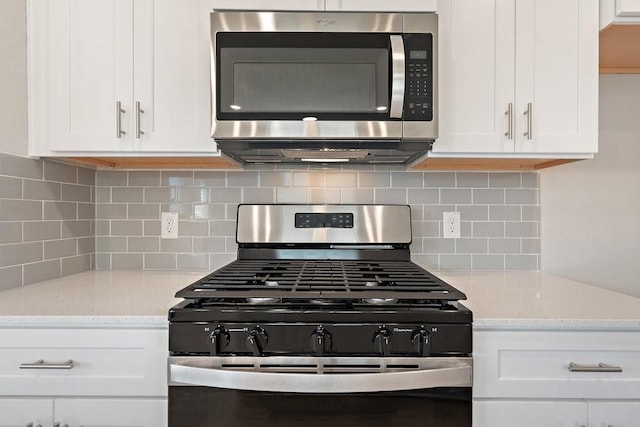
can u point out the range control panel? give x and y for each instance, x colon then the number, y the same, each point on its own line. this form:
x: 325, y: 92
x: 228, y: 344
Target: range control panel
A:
x: 324, y: 220
x: 418, y: 104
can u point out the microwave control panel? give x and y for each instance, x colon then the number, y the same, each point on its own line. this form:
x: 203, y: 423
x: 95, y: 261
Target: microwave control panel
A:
x: 418, y: 99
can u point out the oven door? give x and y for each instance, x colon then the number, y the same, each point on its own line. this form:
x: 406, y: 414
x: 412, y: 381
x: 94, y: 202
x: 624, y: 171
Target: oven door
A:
x: 311, y: 391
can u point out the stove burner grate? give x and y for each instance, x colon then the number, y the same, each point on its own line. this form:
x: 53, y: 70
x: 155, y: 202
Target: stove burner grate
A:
x: 379, y: 281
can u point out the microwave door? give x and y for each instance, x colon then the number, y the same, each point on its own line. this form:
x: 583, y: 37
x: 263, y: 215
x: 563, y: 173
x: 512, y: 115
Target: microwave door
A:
x: 309, y: 85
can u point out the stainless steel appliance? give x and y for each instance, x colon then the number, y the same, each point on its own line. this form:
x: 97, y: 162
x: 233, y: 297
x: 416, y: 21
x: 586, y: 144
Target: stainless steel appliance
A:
x: 322, y: 320
x: 291, y: 87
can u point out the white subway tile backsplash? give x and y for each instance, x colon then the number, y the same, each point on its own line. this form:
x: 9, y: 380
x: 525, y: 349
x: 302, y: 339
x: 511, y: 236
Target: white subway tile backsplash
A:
x: 41, y: 190
x: 82, y: 218
x: 357, y: 195
x: 406, y: 179
x: 275, y: 179
x: 173, y: 178
x: 341, y: 179
x: 144, y: 178
x: 505, y: 180
x: 54, y: 171
x: 56, y: 249
x: 20, y: 210
x: 127, y: 195
x: 472, y: 180
x: 455, y: 196
x: 390, y: 196
x: 75, y: 193
x: 291, y: 195
x: 11, y: 232
x: 10, y: 188
x: 487, y: 262
x: 374, y: 179
x: 39, y: 271
x: 40, y: 230
x: 160, y: 261
x: 439, y: 179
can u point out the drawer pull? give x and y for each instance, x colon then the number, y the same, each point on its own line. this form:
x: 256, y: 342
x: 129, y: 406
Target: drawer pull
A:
x: 600, y: 367
x: 41, y: 364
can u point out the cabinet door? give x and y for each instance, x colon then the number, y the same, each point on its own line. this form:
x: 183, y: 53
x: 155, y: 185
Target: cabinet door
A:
x: 382, y: 5
x: 529, y: 414
x: 627, y: 7
x: 614, y: 414
x: 269, y: 4
x: 557, y: 73
x: 111, y: 412
x: 21, y: 412
x: 476, y: 75
x: 171, y: 78
x: 90, y: 61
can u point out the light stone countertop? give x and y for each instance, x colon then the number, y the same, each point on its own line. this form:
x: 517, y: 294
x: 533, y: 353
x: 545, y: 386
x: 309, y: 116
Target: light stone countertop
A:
x: 514, y: 300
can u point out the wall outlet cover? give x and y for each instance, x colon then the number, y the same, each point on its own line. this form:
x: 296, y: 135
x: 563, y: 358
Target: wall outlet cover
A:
x: 169, y: 225
x: 451, y: 225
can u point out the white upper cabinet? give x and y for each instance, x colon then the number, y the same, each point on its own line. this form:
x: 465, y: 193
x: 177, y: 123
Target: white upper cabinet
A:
x: 619, y: 12
x: 330, y: 5
x: 518, y: 76
x: 268, y: 5
x: 149, y: 57
x: 382, y: 5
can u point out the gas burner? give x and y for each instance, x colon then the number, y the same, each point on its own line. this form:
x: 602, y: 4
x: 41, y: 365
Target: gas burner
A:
x: 265, y: 300
x: 379, y: 301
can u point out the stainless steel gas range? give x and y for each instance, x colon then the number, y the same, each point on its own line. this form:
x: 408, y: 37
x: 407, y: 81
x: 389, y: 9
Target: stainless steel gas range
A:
x: 322, y: 319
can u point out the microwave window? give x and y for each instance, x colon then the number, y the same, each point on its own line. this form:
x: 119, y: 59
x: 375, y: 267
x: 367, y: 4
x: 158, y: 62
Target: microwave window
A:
x: 304, y: 80
x: 299, y: 87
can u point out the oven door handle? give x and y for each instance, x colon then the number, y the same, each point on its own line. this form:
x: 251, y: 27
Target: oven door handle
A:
x: 184, y: 373
x: 397, y: 76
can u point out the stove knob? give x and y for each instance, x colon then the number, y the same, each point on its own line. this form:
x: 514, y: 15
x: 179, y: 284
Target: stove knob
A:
x: 421, y: 341
x: 320, y: 341
x: 382, y: 339
x: 257, y: 340
x: 219, y: 340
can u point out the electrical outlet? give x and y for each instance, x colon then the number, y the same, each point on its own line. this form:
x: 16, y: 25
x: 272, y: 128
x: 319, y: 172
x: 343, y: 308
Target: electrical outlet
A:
x: 451, y: 225
x: 169, y: 225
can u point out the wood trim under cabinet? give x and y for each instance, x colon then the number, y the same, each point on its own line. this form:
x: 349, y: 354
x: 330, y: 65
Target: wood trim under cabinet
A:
x: 620, y: 49
x: 439, y: 163
x: 156, y: 162
x: 487, y: 164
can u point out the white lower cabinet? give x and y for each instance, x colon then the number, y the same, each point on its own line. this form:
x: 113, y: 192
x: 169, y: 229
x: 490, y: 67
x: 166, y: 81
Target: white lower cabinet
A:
x: 84, y: 376
x: 573, y: 378
x: 529, y: 414
x: 111, y: 413
x: 83, y: 412
x: 614, y: 414
x: 25, y: 412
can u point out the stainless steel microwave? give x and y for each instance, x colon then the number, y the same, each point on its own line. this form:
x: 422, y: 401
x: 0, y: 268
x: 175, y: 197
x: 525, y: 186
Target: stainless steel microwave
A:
x: 304, y: 86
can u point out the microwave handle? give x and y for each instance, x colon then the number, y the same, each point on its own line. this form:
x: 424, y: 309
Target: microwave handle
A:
x: 397, y: 76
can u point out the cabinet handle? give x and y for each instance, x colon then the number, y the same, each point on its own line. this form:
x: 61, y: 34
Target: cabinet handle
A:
x: 529, y: 114
x: 509, y: 114
x: 119, y: 112
x: 600, y: 367
x: 138, y: 112
x: 41, y: 364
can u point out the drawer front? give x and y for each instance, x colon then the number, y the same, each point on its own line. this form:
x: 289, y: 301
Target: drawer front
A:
x: 536, y: 364
x: 105, y: 362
